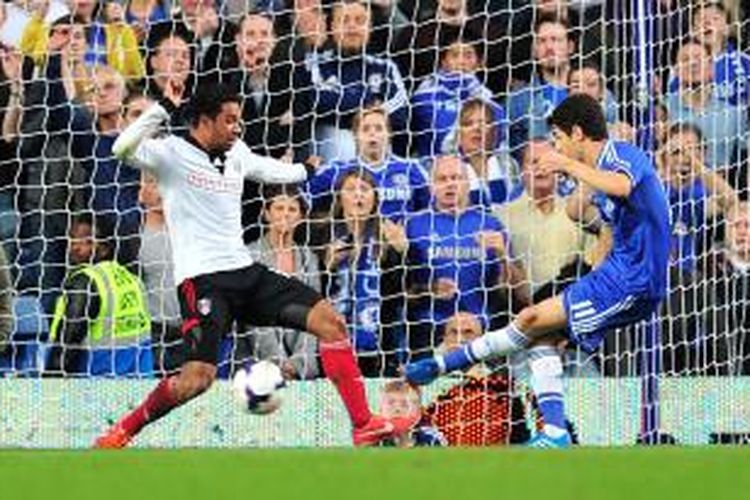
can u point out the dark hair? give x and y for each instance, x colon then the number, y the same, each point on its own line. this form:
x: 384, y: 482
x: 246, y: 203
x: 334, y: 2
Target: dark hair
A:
x: 710, y: 4
x: 271, y: 191
x: 580, y: 110
x: 686, y: 128
x: 467, y: 36
x: 551, y: 18
x: 208, y: 100
x: 688, y: 41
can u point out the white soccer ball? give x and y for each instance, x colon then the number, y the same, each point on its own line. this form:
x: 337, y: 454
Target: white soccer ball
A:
x: 256, y: 387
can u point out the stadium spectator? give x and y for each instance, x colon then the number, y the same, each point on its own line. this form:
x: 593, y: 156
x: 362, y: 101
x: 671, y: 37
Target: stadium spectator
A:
x: 276, y: 120
x: 157, y: 273
x: 548, y: 243
x: 276, y: 109
x: 387, y: 22
x: 402, y: 184
x: 112, y: 42
x: 586, y: 78
x: 437, y: 101
x: 211, y: 35
x: 90, y: 129
x: 697, y: 197
x: 461, y: 328
x: 101, y: 323
x: 170, y: 69
x: 296, y: 352
x: 587, y: 23
x: 11, y: 107
x: 141, y: 14
x: 696, y: 194
x: 696, y: 101
x: 49, y: 179
x: 731, y: 289
x: 458, y: 259
x: 731, y: 66
x: 494, y: 177
x: 6, y: 302
x: 401, y: 399
x: 416, y: 48
x: 530, y: 106
x: 348, y: 79
x: 364, y: 263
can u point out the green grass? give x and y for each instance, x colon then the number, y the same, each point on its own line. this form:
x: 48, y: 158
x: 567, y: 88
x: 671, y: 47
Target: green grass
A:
x: 385, y: 474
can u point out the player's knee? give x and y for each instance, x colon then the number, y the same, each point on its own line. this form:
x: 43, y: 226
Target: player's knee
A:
x: 326, y: 323
x: 527, y: 318
x: 192, y: 383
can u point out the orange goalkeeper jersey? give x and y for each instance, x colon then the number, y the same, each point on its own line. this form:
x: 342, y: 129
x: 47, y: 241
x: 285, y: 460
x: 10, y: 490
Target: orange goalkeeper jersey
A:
x: 476, y: 412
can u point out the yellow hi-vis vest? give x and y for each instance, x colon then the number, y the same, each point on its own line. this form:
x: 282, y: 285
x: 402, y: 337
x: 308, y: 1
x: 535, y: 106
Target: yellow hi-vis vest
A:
x: 123, y: 314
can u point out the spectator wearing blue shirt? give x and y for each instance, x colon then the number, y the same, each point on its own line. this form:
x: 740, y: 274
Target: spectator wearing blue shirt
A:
x: 364, y: 260
x: 723, y: 125
x: 458, y: 260
x: 586, y: 78
x: 494, y: 176
x: 531, y: 105
x: 111, y: 189
x: 347, y: 79
x: 731, y: 74
x: 696, y: 196
x: 402, y: 184
x: 437, y: 101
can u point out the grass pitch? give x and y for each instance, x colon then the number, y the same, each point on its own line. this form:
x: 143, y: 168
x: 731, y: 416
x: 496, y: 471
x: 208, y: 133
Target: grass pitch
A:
x: 384, y: 474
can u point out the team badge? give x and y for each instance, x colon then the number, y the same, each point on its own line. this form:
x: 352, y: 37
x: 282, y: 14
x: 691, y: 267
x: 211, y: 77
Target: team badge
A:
x: 204, y: 306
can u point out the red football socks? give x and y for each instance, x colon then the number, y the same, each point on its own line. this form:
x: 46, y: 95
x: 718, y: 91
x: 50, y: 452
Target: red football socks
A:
x: 342, y: 369
x: 157, y: 404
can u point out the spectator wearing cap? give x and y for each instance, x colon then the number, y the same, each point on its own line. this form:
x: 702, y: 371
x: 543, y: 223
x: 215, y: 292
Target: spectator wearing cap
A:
x: 437, y: 101
x: 349, y: 79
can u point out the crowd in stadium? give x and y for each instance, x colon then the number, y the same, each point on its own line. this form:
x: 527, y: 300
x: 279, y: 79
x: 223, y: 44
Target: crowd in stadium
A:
x: 426, y: 218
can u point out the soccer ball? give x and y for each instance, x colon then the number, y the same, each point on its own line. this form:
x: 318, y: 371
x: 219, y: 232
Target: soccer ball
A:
x: 256, y: 387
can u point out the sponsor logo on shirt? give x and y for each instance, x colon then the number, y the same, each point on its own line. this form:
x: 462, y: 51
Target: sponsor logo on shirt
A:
x: 214, y: 183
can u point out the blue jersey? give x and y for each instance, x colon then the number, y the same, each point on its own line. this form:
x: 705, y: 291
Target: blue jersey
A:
x: 731, y: 74
x: 444, y: 246
x: 528, y: 110
x: 688, y: 208
x: 356, y: 295
x: 403, y: 185
x: 640, y: 223
x: 436, y: 105
x: 344, y: 84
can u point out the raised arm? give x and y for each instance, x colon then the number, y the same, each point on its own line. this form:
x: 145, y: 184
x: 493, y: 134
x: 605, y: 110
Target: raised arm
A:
x: 612, y: 183
x: 266, y: 169
x: 133, y: 147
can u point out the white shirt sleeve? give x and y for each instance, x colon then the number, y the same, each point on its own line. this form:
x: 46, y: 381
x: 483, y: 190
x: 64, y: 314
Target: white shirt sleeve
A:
x: 263, y: 168
x: 136, y: 145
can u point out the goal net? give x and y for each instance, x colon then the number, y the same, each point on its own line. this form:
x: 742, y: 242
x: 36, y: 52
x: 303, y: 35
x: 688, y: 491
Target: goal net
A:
x: 427, y: 223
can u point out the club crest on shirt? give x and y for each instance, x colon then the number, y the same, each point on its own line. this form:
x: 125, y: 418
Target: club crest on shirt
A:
x: 204, y: 306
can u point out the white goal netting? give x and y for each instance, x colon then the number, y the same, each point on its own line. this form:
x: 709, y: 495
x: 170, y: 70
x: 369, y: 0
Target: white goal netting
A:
x: 426, y: 223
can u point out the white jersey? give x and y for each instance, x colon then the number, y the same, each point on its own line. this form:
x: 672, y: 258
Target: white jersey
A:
x: 202, y: 198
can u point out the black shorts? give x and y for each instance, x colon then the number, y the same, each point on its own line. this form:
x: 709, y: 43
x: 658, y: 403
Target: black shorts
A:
x: 254, y: 295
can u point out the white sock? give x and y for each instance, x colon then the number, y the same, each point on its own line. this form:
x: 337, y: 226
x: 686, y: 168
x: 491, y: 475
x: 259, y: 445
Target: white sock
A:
x: 499, y: 343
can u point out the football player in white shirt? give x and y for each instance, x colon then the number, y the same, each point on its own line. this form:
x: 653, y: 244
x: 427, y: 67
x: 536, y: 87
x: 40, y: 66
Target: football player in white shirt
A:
x: 200, y: 178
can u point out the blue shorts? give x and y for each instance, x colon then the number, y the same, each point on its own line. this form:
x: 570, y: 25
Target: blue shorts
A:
x: 594, y: 305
